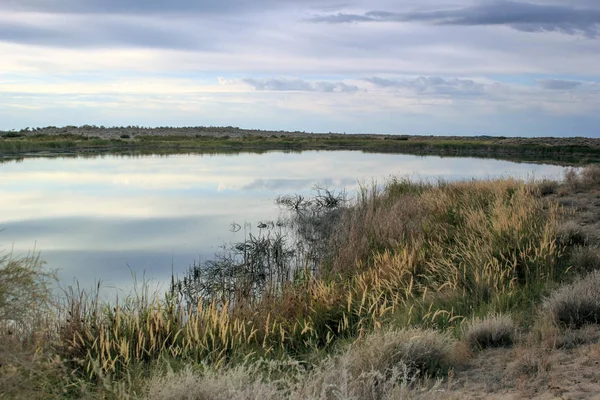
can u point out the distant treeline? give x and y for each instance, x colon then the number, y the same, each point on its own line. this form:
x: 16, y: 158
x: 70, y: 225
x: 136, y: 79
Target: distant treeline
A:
x: 91, y: 139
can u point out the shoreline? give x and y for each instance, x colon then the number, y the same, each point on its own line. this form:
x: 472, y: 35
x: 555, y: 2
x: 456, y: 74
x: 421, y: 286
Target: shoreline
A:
x: 89, y: 140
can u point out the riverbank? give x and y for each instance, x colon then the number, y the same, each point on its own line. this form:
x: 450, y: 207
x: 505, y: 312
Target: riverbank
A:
x: 419, y: 290
x: 88, y: 140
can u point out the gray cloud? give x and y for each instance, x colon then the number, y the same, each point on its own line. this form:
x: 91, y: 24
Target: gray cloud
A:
x: 527, y: 17
x: 137, y: 7
x: 433, y: 85
x: 559, y: 84
x: 274, y: 84
x: 128, y: 6
x: 103, y: 32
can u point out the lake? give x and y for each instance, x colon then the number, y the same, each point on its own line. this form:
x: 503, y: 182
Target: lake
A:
x: 105, y: 217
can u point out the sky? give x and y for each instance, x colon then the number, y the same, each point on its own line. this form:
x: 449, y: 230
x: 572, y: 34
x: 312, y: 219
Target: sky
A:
x: 447, y: 67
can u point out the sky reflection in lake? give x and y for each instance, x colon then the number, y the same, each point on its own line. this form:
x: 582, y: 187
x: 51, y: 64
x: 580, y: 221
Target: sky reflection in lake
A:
x: 97, y: 218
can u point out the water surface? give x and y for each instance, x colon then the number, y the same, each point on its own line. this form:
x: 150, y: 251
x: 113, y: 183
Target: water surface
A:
x: 104, y: 217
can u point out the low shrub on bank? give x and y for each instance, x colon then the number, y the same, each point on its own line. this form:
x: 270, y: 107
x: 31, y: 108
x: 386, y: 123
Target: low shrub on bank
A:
x: 547, y: 187
x: 590, y: 176
x: 495, y: 330
x: 585, y: 179
x: 576, y: 304
x: 585, y: 259
x: 189, y: 384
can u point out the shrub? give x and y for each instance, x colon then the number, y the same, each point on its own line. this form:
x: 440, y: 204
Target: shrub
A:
x: 590, y: 176
x: 188, y: 384
x: 528, y: 363
x: 424, y: 352
x: 576, y: 304
x: 492, y: 331
x: 125, y: 136
x: 572, y: 179
x: 12, y: 135
x: 571, y: 234
x: 27, y: 369
x: 380, y: 366
x: 585, y: 259
x: 25, y: 289
x: 547, y: 187
x: 587, y: 178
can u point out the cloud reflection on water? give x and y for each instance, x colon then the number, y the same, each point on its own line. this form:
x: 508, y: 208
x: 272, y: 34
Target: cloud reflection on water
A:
x: 93, y: 217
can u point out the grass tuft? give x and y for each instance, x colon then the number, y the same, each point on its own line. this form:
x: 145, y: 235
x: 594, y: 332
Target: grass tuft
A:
x: 423, y: 351
x: 576, y: 304
x: 585, y: 259
x: 495, y: 330
x: 570, y: 233
x: 590, y: 176
x: 547, y: 187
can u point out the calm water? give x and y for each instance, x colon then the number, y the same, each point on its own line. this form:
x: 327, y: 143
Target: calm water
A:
x: 101, y: 218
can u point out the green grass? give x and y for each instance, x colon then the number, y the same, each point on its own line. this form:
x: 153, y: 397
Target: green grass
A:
x: 71, y: 141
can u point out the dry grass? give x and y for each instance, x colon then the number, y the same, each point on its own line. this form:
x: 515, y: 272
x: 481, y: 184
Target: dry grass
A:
x: 576, y: 304
x: 384, y: 365
x: 585, y: 259
x: 418, y: 254
x: 235, y: 384
x: 547, y: 187
x: 495, y: 330
x: 529, y: 362
x: 585, y: 179
x: 413, y: 254
x: 25, y: 290
x: 28, y: 367
x: 590, y: 176
x: 570, y: 233
x: 571, y: 179
x: 422, y: 352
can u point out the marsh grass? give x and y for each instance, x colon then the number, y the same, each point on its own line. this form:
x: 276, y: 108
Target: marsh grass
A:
x: 409, y: 254
x: 392, y: 270
x: 86, y: 139
x: 28, y: 366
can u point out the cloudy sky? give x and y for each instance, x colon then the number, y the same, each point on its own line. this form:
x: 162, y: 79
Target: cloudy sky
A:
x: 392, y: 66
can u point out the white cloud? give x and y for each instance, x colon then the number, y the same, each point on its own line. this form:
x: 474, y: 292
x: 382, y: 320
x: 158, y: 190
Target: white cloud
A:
x: 265, y: 66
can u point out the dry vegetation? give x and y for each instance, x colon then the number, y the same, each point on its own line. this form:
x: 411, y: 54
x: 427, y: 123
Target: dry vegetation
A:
x: 413, y: 290
x: 490, y: 331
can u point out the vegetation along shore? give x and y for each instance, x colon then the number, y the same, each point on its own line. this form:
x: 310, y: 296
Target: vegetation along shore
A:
x: 414, y: 290
x: 89, y: 139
